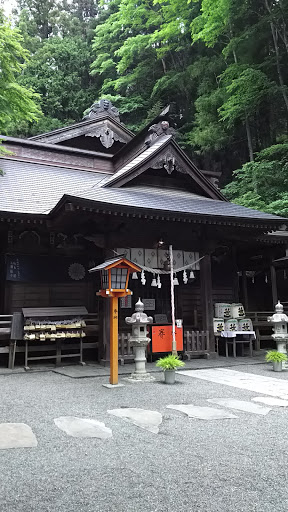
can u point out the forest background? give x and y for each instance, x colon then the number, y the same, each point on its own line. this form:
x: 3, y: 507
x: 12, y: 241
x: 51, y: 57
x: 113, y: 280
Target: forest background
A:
x: 220, y: 64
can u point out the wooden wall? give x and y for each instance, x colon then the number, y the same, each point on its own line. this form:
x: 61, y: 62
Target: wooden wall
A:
x: 19, y: 295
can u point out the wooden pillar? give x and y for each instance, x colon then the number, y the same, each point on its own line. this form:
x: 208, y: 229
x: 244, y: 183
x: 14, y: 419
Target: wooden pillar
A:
x: 235, y: 275
x: 207, y: 299
x: 104, y: 340
x: 274, y: 286
x: 113, y: 340
x: 245, y: 290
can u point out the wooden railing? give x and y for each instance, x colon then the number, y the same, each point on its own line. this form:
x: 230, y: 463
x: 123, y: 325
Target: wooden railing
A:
x: 196, y: 343
x: 125, y: 351
x: 5, y: 326
x: 261, y: 326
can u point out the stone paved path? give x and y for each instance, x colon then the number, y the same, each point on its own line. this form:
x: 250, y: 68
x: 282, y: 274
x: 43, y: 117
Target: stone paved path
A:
x: 258, y: 383
x: 20, y: 435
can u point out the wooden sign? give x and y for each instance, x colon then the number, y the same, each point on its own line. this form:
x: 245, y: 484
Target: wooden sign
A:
x: 149, y: 304
x: 162, y: 338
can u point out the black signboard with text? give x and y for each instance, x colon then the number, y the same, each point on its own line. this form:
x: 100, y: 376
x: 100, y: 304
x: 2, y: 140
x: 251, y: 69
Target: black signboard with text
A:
x: 47, y: 269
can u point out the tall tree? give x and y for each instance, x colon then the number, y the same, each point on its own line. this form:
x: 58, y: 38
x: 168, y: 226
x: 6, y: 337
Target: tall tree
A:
x: 58, y: 33
x: 17, y: 103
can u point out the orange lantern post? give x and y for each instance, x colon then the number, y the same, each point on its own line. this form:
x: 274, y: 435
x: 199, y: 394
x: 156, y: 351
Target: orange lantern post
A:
x: 114, y: 284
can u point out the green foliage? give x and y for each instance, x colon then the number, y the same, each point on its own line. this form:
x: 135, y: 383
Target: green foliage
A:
x: 220, y: 63
x: 263, y: 184
x: 273, y: 356
x: 17, y: 103
x: 59, y: 34
x: 59, y: 72
x: 170, y: 362
x: 245, y: 92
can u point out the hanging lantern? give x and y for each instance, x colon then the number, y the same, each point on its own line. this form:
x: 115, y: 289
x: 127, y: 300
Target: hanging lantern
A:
x: 175, y: 280
x: 185, y: 277
x: 153, y: 282
x: 134, y: 275
x: 159, y: 284
x: 191, y: 275
x: 114, y: 275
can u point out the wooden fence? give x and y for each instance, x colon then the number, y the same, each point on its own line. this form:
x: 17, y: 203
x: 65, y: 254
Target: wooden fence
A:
x: 124, y: 348
x: 196, y: 343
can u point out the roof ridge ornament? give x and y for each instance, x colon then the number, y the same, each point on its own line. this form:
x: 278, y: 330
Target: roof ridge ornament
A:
x: 156, y: 130
x: 99, y: 107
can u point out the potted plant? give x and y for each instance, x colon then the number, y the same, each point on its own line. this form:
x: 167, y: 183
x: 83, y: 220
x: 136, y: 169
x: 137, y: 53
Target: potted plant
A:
x: 169, y: 365
x: 277, y: 358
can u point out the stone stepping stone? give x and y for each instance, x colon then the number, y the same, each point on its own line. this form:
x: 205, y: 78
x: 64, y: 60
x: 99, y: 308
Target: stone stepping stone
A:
x: 269, y: 400
x: 202, y: 413
x: 149, y: 420
x: 83, y: 427
x: 16, y: 435
x: 240, y: 405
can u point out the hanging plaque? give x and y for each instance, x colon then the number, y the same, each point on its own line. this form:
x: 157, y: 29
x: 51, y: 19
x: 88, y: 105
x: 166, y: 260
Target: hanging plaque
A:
x: 149, y: 304
x: 126, y: 302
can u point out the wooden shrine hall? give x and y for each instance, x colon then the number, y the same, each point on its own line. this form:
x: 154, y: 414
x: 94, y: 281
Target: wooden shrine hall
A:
x: 71, y: 198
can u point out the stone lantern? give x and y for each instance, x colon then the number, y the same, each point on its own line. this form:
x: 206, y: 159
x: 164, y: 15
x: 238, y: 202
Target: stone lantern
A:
x: 280, y: 335
x: 139, y: 340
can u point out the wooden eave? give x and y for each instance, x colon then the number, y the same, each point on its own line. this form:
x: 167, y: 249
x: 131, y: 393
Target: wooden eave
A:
x: 74, y: 204
x: 53, y: 147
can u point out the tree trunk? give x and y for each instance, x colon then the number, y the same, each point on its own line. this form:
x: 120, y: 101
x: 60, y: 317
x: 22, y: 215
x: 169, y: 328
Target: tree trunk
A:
x: 247, y: 125
x: 249, y: 139
x: 280, y: 77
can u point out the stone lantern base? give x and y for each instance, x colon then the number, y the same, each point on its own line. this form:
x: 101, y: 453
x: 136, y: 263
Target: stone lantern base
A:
x: 140, y: 372
x: 281, y: 343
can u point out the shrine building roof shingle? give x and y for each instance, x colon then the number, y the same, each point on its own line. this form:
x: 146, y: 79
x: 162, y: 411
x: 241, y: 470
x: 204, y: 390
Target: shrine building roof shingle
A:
x: 34, y: 188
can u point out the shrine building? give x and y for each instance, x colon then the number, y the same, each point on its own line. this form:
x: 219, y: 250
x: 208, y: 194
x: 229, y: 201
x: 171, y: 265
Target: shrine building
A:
x: 73, y: 197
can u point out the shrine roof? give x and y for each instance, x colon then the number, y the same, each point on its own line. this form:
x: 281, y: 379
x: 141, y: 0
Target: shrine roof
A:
x: 36, y: 188
x: 39, y: 189
x: 153, y: 199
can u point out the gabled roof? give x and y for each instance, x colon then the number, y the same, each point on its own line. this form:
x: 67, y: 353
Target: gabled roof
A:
x: 122, y: 175
x: 163, y: 153
x: 89, y: 128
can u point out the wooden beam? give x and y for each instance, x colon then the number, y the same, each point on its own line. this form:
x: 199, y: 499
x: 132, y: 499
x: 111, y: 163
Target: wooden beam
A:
x: 206, y: 299
x: 113, y: 340
x: 274, y: 285
x: 245, y: 290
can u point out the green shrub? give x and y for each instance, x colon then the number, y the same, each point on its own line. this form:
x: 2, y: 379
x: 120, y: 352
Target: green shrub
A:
x: 170, y: 362
x: 273, y: 356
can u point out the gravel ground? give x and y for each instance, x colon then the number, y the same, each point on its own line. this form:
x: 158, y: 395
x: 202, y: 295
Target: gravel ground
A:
x: 191, y: 465
x: 265, y: 369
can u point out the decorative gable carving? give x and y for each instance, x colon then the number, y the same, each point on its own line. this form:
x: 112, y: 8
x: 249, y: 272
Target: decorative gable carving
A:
x: 106, y: 135
x: 169, y: 162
